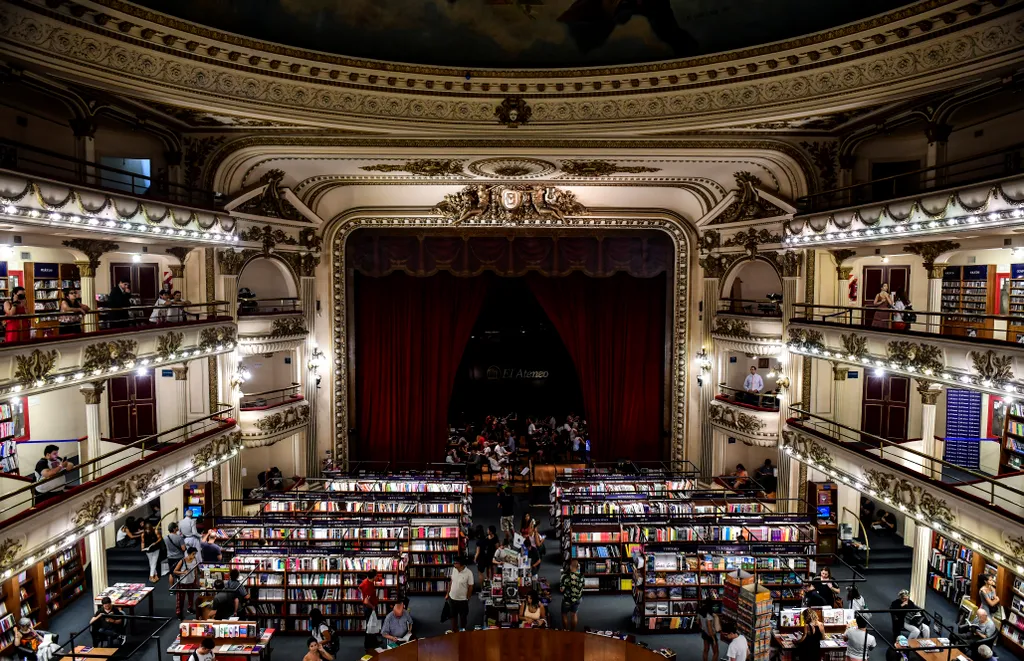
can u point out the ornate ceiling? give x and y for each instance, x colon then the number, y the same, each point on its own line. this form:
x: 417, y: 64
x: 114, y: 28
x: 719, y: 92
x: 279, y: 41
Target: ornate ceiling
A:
x: 517, y: 33
x: 207, y: 79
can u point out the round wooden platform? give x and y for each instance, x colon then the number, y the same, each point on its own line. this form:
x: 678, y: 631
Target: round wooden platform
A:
x: 520, y: 645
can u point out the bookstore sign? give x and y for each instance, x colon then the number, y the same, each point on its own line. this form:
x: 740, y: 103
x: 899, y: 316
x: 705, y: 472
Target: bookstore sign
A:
x: 496, y: 373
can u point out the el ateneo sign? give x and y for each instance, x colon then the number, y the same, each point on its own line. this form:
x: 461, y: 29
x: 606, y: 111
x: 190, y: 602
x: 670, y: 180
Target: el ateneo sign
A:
x: 496, y: 373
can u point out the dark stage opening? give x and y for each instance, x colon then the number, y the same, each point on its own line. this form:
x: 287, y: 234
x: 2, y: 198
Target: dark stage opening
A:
x: 515, y: 362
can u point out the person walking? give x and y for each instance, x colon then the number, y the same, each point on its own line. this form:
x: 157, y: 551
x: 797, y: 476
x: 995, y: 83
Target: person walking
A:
x: 152, y: 542
x: 571, y: 584
x: 460, y: 589
x: 368, y: 594
x: 187, y: 574
x: 709, y: 628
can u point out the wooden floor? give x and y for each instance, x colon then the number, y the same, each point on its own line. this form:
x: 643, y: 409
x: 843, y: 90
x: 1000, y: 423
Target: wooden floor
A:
x: 543, y: 476
x: 520, y: 645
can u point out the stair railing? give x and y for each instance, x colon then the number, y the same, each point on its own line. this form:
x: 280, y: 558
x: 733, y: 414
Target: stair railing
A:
x: 861, y: 528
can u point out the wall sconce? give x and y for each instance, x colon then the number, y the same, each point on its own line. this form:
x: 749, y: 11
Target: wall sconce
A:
x: 781, y: 380
x: 241, y: 376
x: 704, y: 363
x: 317, y: 359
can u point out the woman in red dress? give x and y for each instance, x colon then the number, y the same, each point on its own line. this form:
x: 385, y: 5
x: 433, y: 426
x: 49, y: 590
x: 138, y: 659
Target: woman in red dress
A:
x: 17, y: 330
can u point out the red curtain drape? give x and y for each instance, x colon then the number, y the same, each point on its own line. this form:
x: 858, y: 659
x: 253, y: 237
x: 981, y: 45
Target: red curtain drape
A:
x: 410, y: 336
x: 614, y: 329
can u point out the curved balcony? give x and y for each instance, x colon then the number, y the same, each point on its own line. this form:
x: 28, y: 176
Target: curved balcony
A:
x: 748, y: 417
x: 750, y: 332
x: 269, y: 325
x: 267, y: 417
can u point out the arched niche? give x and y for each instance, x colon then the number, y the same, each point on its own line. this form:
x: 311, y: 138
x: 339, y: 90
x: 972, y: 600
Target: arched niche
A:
x: 267, y: 277
x: 752, y: 279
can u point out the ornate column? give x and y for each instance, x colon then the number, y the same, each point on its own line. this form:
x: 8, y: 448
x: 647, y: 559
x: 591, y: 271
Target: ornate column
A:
x: 178, y: 270
x: 839, y: 373
x: 782, y: 490
x: 93, y: 394
x: 230, y: 263
x: 938, y: 141
x: 842, y: 272
x: 930, y: 392
x: 310, y: 378
x: 929, y: 252
x: 97, y: 556
x: 181, y: 392
x: 231, y: 485
x: 922, y: 541
x: 707, y: 377
x: 84, y: 130
x: 93, y: 249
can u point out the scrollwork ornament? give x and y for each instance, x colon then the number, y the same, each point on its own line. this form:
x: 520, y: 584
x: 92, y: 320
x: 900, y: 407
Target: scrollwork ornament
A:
x: 854, y: 345
x: 288, y: 327
x: 509, y: 204
x: 729, y: 417
x: 283, y: 420
x: 716, y: 266
x: 104, y: 355
x: 36, y: 366
x: 9, y: 550
x: 424, y: 167
x: 110, y: 500
x: 169, y: 343
x: 991, y: 366
x: 731, y: 327
x: 212, y: 338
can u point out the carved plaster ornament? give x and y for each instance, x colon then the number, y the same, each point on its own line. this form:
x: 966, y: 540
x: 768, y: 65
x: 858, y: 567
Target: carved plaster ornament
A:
x: 424, y: 167
x: 9, y: 550
x: 268, y: 236
x: 179, y: 252
x: 232, y: 261
x: 749, y: 205
x: 841, y: 255
x: 716, y: 266
x: 93, y: 249
x: 854, y: 345
x: 992, y: 367
x: 123, y: 493
x: 730, y: 417
x: 929, y: 251
x: 169, y: 343
x: 750, y: 239
x: 104, y: 355
x: 511, y: 167
x: 303, y: 264
x: 912, y: 497
x: 310, y: 240
x: 929, y: 391
x: 212, y: 337
x: 787, y: 263
x: 288, y: 327
x: 216, y: 448
x: 600, y: 168
x: 36, y: 366
x: 808, y: 447
x: 510, y: 204
x: 1014, y: 543
x: 271, y: 203
x: 283, y: 420
x: 811, y: 339
x: 710, y: 241
x: 731, y: 327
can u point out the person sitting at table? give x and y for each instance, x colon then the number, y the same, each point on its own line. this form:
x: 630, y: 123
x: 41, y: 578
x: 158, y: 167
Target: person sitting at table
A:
x: 532, y: 613
x: 233, y: 584
x: 205, y: 650
x: 316, y: 652
x: 397, y: 627
x: 913, y: 623
x: 984, y: 653
x: 978, y: 629
x: 885, y: 522
x: 108, y: 625
x: 26, y: 639
x: 814, y: 595
x: 225, y: 602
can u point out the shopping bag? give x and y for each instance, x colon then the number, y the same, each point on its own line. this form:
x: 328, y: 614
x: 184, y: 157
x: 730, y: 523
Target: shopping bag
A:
x: 373, y: 624
x: 446, y: 611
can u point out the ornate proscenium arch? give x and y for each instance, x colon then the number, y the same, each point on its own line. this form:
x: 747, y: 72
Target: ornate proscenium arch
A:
x: 683, y: 239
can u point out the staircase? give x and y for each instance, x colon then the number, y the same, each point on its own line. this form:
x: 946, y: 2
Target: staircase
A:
x: 889, y: 555
x: 129, y: 565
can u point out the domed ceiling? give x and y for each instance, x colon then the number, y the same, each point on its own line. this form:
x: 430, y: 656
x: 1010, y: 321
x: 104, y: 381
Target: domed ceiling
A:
x: 521, y: 33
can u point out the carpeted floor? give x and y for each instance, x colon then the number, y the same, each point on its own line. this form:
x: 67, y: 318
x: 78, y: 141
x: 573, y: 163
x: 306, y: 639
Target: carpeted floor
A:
x: 597, y: 611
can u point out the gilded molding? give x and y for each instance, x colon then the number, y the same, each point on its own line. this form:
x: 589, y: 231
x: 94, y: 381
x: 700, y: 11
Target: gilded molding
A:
x: 716, y: 266
x: 725, y: 416
x: 302, y: 264
x: 36, y: 366
x: 513, y: 112
x: 108, y: 502
x: 268, y: 236
x: 601, y: 168
x: 710, y: 240
x: 854, y: 345
x: 731, y: 327
x: 91, y: 248
x: 210, y: 338
x: 169, y: 343
x: 920, y: 356
x: 104, y: 355
x: 287, y: 327
x: 283, y: 420
x: 751, y: 239
x: 929, y: 251
x: 9, y: 550
x: 811, y: 339
x: 232, y: 261
x: 424, y: 167
x: 216, y: 447
x: 808, y: 447
x: 909, y: 496
x: 929, y: 393
x: 92, y: 393
x: 786, y: 263
x: 180, y: 253
x: 748, y: 205
x: 509, y: 204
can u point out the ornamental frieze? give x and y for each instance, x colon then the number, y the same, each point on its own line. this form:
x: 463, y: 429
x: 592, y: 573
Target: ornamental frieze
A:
x: 921, y: 357
x: 110, y: 501
x: 854, y: 345
x: 424, y: 167
x: 283, y: 420
x: 210, y: 338
x: 104, y: 355
x: 36, y: 366
x: 217, y: 447
x: 990, y: 366
x: 731, y: 327
x: 288, y: 327
x: 169, y: 343
x: 908, y: 495
x: 726, y: 416
x: 807, y: 447
x: 509, y: 204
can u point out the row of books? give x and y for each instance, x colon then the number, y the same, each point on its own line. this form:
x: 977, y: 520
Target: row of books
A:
x: 402, y: 486
x: 320, y: 563
x: 218, y: 630
x: 363, y: 507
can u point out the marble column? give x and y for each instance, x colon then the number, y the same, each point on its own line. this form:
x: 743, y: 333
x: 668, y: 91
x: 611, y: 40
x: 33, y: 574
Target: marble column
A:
x: 935, y: 297
x: 839, y: 373
x: 231, y: 485
x: 87, y: 292
x: 181, y: 392
x: 938, y: 142
x: 929, y: 392
x: 707, y: 388
x: 93, y: 394
x: 919, y: 569
x: 307, y: 296
x: 97, y: 550
x: 229, y: 285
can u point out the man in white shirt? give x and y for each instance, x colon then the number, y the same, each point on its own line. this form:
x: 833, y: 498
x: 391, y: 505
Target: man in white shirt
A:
x: 459, y: 591
x: 753, y: 383
x: 737, y: 647
x: 531, y: 428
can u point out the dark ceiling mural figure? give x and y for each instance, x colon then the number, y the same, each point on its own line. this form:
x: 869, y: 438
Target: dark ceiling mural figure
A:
x: 591, y: 22
x: 521, y: 34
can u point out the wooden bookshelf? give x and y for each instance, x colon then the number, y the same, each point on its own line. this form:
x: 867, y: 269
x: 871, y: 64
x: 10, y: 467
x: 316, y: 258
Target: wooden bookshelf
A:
x: 1011, y: 596
x: 968, y: 291
x: 44, y: 285
x: 755, y: 620
x: 1011, y: 451
x: 954, y: 570
x: 1015, y: 328
x: 823, y: 505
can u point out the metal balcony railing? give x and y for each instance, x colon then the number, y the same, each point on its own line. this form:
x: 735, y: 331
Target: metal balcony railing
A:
x: 27, y: 159
x: 253, y: 307
x: 914, y: 322
x: 750, y: 400
x: 985, y: 491
x: 56, y: 325
x: 953, y: 174
x: 46, y: 491
x: 258, y: 401
x: 753, y: 307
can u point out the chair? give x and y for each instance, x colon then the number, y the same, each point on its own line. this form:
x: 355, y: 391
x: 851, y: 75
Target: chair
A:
x: 938, y: 622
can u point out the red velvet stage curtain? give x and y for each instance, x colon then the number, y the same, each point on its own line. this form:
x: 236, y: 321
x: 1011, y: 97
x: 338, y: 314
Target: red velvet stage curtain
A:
x: 410, y: 336
x: 614, y: 330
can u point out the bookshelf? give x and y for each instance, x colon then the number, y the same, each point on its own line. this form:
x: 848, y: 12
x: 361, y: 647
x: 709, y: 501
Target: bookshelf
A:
x: 1011, y: 452
x: 289, y: 583
x: 1015, y: 328
x: 968, y: 291
x: 63, y: 577
x: 200, y: 497
x: 9, y: 431
x: 598, y: 546
x: 754, y: 620
x: 954, y: 569
x: 339, y: 535
x: 44, y: 285
x: 431, y: 540
x: 1011, y: 633
x: 9, y: 613
x: 823, y: 504
x: 5, y: 282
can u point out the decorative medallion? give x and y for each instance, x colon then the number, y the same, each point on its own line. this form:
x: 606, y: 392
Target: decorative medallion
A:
x: 992, y: 367
x: 270, y: 203
x: 913, y: 498
x: 288, y: 327
x: 424, y: 167
x: 854, y: 346
x: 601, y: 168
x: 511, y: 167
x: 104, y: 355
x: 513, y: 111
x: 748, y: 205
x: 731, y: 327
x: 34, y: 367
x: 268, y: 236
x: 509, y: 204
x: 169, y: 343
x: 109, y: 501
x: 211, y: 338
x: 726, y: 416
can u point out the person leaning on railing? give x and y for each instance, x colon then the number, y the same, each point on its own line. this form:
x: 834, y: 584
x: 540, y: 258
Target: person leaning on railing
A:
x: 16, y: 330
x: 72, y: 312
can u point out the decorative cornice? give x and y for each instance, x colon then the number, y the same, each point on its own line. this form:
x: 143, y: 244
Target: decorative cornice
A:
x: 109, y: 502
x: 748, y: 205
x: 929, y: 251
x: 92, y: 248
x: 270, y: 203
x: 909, y: 497
x: 255, y: 345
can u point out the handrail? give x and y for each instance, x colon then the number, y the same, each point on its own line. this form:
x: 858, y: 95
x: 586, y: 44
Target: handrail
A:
x: 107, y: 310
x: 139, y: 445
x: 760, y: 397
x: 267, y: 392
x: 926, y: 461
x: 756, y: 307
x: 867, y: 544
x: 870, y: 308
x: 806, y: 203
x: 90, y: 173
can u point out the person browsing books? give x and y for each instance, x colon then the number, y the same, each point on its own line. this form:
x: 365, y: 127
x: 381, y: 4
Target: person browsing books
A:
x: 204, y: 652
x: 368, y: 594
x: 397, y: 627
x: 859, y: 642
x: 738, y: 647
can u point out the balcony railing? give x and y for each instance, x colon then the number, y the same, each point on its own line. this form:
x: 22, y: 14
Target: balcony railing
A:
x: 754, y: 307
x: 953, y: 174
x: 25, y: 158
x: 21, y: 329
x: 914, y: 322
x: 253, y: 307
x: 268, y: 399
x: 90, y: 472
x: 973, y: 485
x: 749, y: 400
